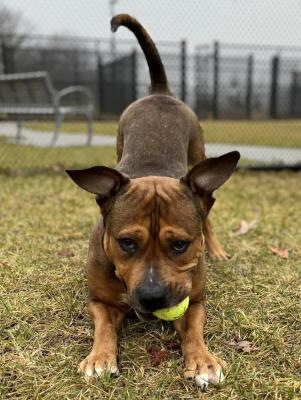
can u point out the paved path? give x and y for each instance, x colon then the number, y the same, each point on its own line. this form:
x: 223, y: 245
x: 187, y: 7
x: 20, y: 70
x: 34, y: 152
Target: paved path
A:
x: 257, y: 153
x: 43, y: 139
x: 266, y: 154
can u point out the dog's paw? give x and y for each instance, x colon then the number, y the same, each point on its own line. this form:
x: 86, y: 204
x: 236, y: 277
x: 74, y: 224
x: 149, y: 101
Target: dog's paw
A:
x: 97, y: 364
x: 204, y: 369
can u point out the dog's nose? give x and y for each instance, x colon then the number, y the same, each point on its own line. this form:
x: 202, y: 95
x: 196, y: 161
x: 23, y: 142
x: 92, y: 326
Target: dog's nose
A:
x: 152, y: 297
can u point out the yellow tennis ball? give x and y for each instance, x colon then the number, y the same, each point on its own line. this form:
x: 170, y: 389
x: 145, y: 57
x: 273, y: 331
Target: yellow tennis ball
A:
x: 173, y: 313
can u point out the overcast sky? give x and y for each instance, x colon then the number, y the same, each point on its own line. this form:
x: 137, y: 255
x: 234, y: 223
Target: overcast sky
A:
x: 199, y: 21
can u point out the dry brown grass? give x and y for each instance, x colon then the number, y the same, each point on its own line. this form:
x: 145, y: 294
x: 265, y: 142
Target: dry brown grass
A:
x: 45, y: 331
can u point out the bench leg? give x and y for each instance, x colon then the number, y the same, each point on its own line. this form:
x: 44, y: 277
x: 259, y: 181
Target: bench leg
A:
x: 90, y: 128
x: 19, y: 128
x: 58, y: 122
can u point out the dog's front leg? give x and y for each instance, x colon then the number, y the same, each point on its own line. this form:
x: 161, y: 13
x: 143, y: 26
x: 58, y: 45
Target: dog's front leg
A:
x: 103, y: 357
x: 199, y: 363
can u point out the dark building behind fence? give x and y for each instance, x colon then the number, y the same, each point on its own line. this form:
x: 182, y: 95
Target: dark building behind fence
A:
x: 220, y: 81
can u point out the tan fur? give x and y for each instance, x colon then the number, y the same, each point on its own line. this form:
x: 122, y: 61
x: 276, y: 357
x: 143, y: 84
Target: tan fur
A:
x: 176, y: 272
x: 107, y: 267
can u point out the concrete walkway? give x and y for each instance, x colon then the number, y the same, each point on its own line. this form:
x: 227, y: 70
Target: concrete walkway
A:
x: 264, y: 154
x: 31, y: 137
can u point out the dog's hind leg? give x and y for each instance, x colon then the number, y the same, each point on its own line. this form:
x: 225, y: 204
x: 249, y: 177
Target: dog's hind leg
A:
x: 215, y: 249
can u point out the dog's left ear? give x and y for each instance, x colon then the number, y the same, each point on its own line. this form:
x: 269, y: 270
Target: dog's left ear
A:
x: 102, y: 181
x: 207, y: 176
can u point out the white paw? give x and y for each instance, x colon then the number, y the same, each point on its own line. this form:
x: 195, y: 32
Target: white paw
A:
x: 107, y: 370
x: 94, y: 366
x: 215, y: 377
x: 202, y: 381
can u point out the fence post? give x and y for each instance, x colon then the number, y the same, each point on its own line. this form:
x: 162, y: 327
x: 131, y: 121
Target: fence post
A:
x: 249, y: 93
x: 293, y: 94
x: 183, y: 69
x: 7, y: 58
x: 197, y: 83
x: 215, y: 110
x: 274, y: 87
x: 101, y: 86
x: 75, y: 56
x: 134, y: 75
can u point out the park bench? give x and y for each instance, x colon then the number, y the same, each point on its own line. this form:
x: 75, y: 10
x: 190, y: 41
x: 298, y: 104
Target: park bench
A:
x: 33, y: 94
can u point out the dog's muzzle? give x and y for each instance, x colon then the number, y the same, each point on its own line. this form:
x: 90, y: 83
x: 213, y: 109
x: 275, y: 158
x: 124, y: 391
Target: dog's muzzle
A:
x: 151, y: 297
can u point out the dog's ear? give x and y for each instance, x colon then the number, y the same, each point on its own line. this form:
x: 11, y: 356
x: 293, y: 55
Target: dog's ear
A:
x: 207, y: 176
x: 102, y: 181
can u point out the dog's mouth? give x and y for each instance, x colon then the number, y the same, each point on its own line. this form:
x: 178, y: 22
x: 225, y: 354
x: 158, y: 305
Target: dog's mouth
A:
x: 145, y: 311
x: 127, y: 298
x: 145, y: 316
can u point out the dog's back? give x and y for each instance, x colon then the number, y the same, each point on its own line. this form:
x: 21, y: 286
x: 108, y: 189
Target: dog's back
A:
x: 156, y: 131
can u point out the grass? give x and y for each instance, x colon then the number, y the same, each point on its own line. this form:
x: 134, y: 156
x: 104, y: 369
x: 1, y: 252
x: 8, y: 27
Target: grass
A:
x: 260, y: 133
x: 99, y: 127
x: 283, y: 133
x: 45, y: 331
x: 18, y: 159
x: 28, y: 160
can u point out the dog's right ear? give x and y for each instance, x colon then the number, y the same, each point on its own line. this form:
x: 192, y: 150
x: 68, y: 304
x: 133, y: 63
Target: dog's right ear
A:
x: 102, y: 181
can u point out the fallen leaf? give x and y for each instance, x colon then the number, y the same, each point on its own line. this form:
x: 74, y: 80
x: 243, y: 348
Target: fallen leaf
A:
x: 280, y: 252
x: 242, y: 345
x: 245, y: 227
x: 157, y: 356
x: 66, y: 253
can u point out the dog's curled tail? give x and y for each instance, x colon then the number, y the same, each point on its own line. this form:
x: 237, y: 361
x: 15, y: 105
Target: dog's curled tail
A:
x: 159, y: 83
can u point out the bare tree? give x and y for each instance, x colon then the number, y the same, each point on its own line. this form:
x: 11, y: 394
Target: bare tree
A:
x: 14, y: 27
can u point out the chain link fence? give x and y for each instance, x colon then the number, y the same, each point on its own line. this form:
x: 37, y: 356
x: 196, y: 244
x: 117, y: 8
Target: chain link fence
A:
x: 116, y: 76
x: 245, y: 81
x: 247, y: 97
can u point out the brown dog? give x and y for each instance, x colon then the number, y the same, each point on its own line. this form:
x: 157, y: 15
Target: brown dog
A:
x: 147, y: 250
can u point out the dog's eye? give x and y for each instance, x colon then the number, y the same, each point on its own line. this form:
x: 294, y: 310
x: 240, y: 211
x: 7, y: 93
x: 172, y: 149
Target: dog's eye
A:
x: 180, y: 246
x: 128, y: 245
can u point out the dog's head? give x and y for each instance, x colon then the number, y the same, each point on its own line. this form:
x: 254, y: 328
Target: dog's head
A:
x: 153, y: 227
